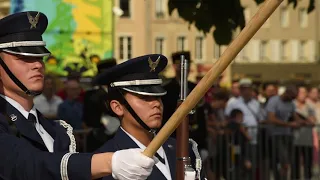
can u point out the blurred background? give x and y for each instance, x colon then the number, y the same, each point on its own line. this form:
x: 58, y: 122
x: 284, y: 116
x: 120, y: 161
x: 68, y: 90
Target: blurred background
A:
x: 286, y: 48
x: 260, y: 120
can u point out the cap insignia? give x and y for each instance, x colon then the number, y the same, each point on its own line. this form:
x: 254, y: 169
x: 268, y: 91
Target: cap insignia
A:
x: 33, y: 20
x: 153, y: 65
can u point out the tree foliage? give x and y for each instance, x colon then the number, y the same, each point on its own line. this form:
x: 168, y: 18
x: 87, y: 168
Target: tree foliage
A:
x: 224, y: 15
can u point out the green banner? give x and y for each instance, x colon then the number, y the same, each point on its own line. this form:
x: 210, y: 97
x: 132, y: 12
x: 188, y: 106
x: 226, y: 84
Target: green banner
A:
x: 79, y: 33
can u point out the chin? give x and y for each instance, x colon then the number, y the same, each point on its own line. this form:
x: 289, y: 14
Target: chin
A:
x: 37, y: 87
x: 156, y: 124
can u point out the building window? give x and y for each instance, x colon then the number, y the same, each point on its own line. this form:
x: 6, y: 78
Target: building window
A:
x: 199, y: 48
x: 159, y: 8
x: 217, y: 51
x: 303, y: 17
x: 159, y: 45
x: 125, y: 47
x: 262, y: 50
x: 283, y: 50
x: 181, y: 43
x: 284, y: 17
x: 125, y: 7
x: 301, y: 50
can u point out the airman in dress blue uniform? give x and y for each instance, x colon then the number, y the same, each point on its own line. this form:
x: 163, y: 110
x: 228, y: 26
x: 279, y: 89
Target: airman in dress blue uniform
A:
x: 134, y: 96
x: 31, y: 147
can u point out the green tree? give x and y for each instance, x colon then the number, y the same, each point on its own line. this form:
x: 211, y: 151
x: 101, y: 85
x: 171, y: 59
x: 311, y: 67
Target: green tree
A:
x: 225, y: 15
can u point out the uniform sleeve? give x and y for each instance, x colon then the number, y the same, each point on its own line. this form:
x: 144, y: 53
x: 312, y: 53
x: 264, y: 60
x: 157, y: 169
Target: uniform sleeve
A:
x: 19, y: 160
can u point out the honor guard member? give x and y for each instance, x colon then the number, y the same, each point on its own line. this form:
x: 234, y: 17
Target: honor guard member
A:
x: 197, y: 129
x: 134, y: 96
x: 31, y: 147
x: 96, y: 114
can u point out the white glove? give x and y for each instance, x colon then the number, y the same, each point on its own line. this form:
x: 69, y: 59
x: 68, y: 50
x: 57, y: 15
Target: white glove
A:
x: 131, y: 164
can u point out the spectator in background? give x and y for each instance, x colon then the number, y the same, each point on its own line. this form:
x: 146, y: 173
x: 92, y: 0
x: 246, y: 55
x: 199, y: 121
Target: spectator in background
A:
x: 280, y: 109
x: 215, y: 111
x: 255, y: 92
x: 47, y: 102
x: 237, y: 138
x: 252, y: 116
x: 215, y: 123
x: 303, y: 139
x: 269, y: 89
x: 96, y: 115
x: 71, y: 109
x: 313, y: 100
x: 235, y: 90
x: 62, y: 93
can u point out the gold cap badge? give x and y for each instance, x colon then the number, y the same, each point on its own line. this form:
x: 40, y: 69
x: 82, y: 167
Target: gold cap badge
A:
x: 153, y: 65
x: 33, y: 20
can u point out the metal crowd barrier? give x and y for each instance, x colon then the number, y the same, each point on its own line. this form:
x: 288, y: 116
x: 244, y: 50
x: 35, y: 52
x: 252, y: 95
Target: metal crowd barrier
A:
x: 270, y: 155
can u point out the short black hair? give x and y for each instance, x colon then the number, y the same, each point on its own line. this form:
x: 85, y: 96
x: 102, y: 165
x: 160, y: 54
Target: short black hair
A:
x: 234, y: 113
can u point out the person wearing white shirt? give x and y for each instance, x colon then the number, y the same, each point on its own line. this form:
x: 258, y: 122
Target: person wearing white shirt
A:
x: 252, y: 115
x: 134, y: 96
x: 47, y: 102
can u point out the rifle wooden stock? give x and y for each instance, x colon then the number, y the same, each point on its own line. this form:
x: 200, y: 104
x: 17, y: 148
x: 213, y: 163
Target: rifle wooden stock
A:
x: 182, y: 137
x: 207, y: 81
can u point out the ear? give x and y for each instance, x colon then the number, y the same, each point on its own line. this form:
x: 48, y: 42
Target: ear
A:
x: 117, y: 108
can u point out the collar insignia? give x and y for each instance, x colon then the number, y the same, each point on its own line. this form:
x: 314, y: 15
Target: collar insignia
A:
x: 13, y: 117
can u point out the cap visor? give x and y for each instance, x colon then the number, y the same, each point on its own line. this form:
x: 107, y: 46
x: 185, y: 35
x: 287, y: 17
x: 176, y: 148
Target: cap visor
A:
x: 147, y: 90
x: 36, y: 51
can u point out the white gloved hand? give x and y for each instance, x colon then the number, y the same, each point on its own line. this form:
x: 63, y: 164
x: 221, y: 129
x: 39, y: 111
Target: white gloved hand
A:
x: 131, y: 164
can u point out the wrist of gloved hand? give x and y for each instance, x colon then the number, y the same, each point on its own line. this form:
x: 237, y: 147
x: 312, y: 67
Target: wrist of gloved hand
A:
x: 131, y: 164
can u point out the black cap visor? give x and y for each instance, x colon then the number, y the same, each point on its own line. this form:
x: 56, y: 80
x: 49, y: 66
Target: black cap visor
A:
x: 34, y: 51
x: 148, y: 90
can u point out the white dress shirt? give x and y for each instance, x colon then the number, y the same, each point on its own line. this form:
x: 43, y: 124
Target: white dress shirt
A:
x: 164, y: 168
x: 47, y: 139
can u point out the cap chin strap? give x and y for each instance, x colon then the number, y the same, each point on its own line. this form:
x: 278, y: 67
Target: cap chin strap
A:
x: 17, y: 82
x: 136, y: 117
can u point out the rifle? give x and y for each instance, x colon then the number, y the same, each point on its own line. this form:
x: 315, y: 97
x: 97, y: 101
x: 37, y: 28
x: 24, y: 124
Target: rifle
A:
x: 183, y: 163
